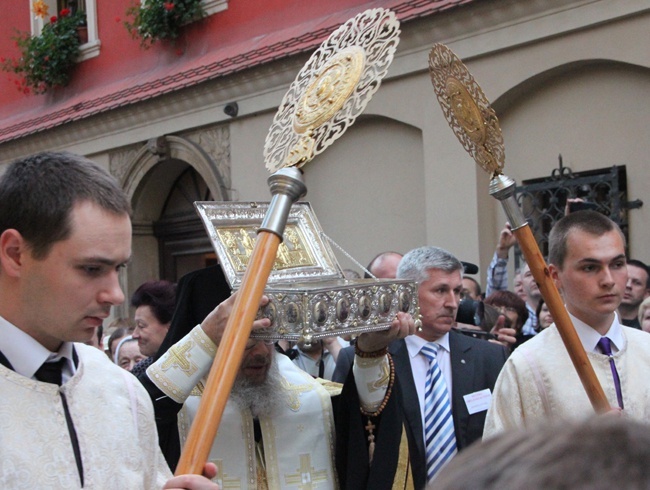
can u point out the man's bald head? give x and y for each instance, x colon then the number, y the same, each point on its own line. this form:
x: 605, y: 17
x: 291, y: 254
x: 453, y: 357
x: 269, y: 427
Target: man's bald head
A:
x: 384, y: 265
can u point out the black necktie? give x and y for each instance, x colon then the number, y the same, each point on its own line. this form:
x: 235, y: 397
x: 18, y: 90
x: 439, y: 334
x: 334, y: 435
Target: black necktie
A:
x: 50, y: 372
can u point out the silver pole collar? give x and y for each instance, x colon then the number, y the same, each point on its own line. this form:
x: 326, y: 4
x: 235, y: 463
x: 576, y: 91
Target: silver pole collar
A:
x: 502, y: 188
x: 287, y: 186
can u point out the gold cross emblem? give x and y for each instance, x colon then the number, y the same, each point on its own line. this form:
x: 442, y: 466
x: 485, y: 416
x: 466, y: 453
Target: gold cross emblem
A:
x: 306, y: 475
x: 178, y: 356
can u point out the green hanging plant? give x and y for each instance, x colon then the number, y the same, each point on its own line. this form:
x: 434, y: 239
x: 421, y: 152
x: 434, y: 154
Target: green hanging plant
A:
x: 157, y: 20
x: 47, y: 60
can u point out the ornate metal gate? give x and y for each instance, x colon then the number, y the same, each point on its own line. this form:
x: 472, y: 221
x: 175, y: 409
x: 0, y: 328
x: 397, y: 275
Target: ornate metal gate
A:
x: 543, y: 200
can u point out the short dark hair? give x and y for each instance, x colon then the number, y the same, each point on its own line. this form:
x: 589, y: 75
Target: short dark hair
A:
x: 38, y: 193
x: 478, y: 286
x: 160, y: 296
x: 591, y: 222
x: 641, y: 265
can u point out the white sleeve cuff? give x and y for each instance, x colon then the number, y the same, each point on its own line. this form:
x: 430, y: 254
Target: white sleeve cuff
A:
x: 372, y: 376
x: 181, y: 368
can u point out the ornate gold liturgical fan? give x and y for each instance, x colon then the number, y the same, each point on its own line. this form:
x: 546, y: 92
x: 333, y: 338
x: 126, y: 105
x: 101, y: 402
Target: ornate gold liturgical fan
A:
x: 332, y: 89
x: 476, y: 126
x: 328, y: 94
x: 467, y: 110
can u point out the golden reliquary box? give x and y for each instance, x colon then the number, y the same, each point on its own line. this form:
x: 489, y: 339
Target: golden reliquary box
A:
x: 309, y: 297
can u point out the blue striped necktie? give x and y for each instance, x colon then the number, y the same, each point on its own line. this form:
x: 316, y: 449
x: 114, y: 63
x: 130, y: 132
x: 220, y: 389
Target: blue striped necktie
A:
x: 440, y: 439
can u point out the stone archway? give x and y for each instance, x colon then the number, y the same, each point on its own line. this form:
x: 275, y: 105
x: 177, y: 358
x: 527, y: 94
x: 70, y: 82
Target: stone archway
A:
x: 162, y: 179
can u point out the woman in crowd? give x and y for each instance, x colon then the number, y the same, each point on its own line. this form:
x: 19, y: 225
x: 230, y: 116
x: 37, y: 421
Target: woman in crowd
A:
x: 514, y: 309
x: 544, y: 318
x: 154, y: 303
x: 127, y: 353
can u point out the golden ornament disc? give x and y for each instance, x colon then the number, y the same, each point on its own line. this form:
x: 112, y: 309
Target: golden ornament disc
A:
x: 332, y: 89
x: 327, y: 93
x: 467, y: 109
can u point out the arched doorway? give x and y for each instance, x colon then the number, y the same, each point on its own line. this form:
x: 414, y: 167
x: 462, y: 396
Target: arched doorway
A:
x: 163, y: 178
x: 183, y: 244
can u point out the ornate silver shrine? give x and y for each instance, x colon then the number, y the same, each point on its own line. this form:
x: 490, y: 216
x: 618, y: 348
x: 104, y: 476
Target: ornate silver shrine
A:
x: 309, y: 297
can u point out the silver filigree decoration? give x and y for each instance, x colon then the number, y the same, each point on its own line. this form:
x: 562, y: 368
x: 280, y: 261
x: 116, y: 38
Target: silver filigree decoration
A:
x: 467, y: 109
x: 332, y: 89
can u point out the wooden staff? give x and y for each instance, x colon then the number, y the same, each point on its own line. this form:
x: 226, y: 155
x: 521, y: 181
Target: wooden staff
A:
x: 287, y: 187
x: 503, y: 188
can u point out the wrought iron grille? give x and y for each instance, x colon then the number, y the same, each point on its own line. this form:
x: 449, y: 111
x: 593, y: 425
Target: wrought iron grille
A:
x: 543, y: 200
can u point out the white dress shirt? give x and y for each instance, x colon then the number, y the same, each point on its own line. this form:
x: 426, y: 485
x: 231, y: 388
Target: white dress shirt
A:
x: 420, y: 365
x: 590, y: 337
x: 26, y: 354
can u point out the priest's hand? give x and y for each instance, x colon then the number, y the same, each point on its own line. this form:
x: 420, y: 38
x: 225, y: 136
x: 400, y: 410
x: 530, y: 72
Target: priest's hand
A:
x: 402, y: 326
x: 215, y: 323
x: 195, y: 482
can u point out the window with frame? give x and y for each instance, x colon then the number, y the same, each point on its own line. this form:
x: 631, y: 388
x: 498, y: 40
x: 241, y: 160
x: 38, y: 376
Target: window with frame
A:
x: 90, y: 48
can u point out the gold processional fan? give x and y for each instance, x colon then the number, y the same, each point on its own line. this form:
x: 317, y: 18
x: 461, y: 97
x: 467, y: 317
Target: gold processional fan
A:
x: 476, y: 126
x: 332, y: 89
x: 467, y: 110
x: 327, y: 96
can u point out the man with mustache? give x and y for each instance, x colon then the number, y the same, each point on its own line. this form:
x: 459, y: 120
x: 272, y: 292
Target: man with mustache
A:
x: 277, y: 430
x: 65, y: 234
x: 469, y: 367
x: 588, y: 265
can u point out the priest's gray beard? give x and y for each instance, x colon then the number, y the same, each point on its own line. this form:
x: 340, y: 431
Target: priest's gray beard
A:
x: 261, y: 399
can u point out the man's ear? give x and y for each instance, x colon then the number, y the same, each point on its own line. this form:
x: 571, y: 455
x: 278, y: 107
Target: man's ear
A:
x: 12, y: 252
x: 555, y: 275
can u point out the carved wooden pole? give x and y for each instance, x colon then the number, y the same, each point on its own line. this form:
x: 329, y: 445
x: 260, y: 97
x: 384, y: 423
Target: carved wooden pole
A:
x: 287, y: 187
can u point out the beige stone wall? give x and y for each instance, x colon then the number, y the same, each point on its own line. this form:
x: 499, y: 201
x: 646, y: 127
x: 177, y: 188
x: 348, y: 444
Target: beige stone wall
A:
x: 568, y: 77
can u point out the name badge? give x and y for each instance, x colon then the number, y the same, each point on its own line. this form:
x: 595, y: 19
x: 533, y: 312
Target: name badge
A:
x: 478, y: 401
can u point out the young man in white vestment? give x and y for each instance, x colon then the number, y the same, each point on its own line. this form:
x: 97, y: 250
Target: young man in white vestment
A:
x: 588, y: 265
x: 277, y: 430
x: 65, y: 233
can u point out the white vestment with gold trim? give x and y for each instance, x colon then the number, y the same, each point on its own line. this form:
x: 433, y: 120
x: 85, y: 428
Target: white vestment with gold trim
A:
x: 298, y: 438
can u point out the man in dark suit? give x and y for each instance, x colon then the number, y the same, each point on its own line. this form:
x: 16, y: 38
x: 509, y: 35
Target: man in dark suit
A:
x: 469, y: 366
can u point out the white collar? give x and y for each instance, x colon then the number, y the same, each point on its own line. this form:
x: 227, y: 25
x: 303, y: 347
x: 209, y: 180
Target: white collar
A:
x: 415, y: 343
x: 590, y: 337
x: 25, y: 353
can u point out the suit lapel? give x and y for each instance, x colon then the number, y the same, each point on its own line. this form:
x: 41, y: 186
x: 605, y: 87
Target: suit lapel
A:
x: 411, y: 404
x: 462, y: 378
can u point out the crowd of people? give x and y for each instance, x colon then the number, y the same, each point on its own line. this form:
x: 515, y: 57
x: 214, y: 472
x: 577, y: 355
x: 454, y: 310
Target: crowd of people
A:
x: 387, y: 409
